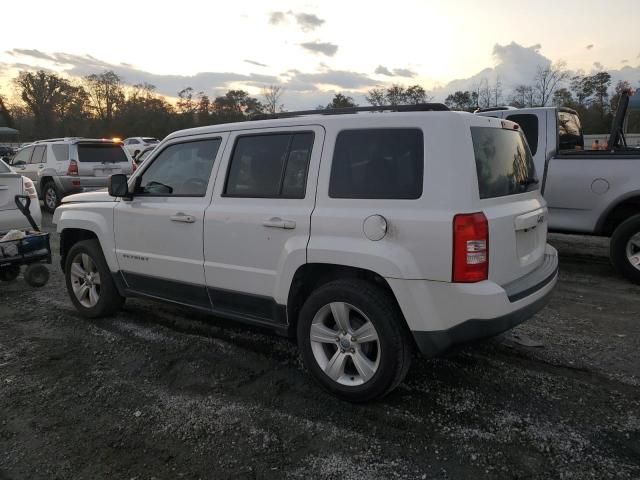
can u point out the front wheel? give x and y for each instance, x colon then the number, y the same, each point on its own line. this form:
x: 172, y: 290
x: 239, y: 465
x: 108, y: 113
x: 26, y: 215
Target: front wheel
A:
x: 352, y: 339
x: 89, y: 283
x: 625, y: 249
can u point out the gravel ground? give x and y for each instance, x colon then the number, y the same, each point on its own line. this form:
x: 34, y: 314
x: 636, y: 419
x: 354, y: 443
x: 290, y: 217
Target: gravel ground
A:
x: 161, y: 392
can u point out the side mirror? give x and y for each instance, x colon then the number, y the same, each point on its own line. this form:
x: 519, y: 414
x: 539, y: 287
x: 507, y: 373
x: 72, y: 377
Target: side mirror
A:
x: 118, y: 186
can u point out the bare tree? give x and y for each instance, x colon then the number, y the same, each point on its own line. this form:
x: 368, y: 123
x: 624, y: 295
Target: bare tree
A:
x: 106, y: 94
x: 548, y: 80
x: 376, y: 97
x: 272, y: 95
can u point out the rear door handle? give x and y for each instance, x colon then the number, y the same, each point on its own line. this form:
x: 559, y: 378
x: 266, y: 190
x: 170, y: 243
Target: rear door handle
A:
x: 277, y: 222
x: 182, y: 217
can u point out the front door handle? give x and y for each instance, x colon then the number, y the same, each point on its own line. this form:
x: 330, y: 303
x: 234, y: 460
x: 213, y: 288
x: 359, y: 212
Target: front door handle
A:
x: 182, y: 217
x: 277, y: 222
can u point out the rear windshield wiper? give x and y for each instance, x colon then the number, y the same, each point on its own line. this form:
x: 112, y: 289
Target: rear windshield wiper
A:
x: 529, y: 181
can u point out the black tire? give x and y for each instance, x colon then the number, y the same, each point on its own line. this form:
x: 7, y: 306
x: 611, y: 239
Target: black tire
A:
x: 9, y: 274
x: 394, y: 345
x: 50, y: 196
x: 109, y: 299
x: 618, y: 248
x: 36, y: 275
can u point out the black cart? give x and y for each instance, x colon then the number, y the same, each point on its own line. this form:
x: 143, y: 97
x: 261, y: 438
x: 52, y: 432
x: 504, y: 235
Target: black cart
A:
x: 32, y: 251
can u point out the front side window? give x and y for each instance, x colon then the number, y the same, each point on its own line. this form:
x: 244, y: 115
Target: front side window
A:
x: 22, y: 157
x: 378, y: 164
x: 503, y: 162
x: 268, y: 166
x: 181, y: 169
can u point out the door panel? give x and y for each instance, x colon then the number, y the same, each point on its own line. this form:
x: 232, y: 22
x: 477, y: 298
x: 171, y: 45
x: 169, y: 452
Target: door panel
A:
x: 252, y: 243
x: 158, y: 234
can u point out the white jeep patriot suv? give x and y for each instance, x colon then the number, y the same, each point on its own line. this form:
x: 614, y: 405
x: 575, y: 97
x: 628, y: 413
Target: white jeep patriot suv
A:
x: 366, y: 235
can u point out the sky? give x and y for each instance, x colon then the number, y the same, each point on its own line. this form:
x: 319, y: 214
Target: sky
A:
x: 315, y: 49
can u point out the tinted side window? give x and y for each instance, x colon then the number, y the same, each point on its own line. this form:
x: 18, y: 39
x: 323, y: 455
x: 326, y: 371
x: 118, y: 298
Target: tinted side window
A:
x: 181, y: 169
x: 378, y: 163
x: 60, y: 152
x: 529, y: 124
x: 266, y: 166
x: 38, y: 154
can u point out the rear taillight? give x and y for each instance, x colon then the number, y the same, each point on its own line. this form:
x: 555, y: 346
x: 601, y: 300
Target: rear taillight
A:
x: 29, y: 188
x: 470, y: 248
x: 73, y: 168
x: 134, y: 167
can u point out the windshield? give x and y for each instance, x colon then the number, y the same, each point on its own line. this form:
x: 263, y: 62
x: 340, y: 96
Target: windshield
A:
x: 503, y: 162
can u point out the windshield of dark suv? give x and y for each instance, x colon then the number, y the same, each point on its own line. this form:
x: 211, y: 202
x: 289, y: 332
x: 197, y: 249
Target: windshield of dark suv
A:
x: 503, y: 162
x: 101, y: 153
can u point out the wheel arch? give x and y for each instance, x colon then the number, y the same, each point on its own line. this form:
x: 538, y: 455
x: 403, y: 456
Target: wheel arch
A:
x: 622, y: 209
x: 310, y: 276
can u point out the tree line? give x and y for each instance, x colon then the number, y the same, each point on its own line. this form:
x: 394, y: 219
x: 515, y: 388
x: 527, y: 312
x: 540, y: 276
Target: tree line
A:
x: 590, y: 95
x: 102, y: 105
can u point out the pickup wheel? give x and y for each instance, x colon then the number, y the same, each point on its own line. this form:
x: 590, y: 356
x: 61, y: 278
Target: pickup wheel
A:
x: 625, y: 249
x: 352, y: 338
x: 89, y: 283
x: 50, y: 196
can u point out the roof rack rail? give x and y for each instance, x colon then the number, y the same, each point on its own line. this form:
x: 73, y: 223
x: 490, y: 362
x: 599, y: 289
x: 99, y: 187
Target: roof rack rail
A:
x: 61, y: 139
x: 495, y: 109
x: 418, y: 107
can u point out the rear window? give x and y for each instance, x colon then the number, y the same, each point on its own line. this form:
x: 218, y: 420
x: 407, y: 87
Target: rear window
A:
x: 503, y: 162
x: 569, y: 131
x: 150, y: 140
x: 378, y: 163
x: 101, y: 153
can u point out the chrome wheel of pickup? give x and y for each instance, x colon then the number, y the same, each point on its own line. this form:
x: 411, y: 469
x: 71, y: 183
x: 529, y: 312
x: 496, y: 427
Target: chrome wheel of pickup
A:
x: 85, y: 280
x: 633, y: 251
x: 345, y: 344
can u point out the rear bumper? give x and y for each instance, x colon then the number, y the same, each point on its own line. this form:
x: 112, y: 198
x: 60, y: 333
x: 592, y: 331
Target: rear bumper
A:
x: 68, y: 185
x: 441, y: 315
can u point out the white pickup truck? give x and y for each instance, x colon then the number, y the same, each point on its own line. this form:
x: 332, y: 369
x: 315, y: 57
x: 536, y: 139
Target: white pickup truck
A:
x: 590, y: 192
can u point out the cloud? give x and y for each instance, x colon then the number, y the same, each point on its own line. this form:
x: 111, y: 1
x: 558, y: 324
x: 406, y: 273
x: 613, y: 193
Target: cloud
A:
x: 30, y: 53
x: 624, y: 61
x: 253, y: 62
x: 589, y: 47
x: 308, y: 21
x: 381, y: 70
x: 276, y: 18
x: 404, y: 72
x: 598, y: 66
x: 325, y: 48
x: 303, y: 82
x: 397, y: 72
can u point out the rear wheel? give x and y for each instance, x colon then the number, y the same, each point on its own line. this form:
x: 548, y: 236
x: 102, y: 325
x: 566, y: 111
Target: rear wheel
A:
x: 50, y: 197
x: 352, y: 339
x: 89, y: 282
x: 625, y: 249
x: 36, y: 275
